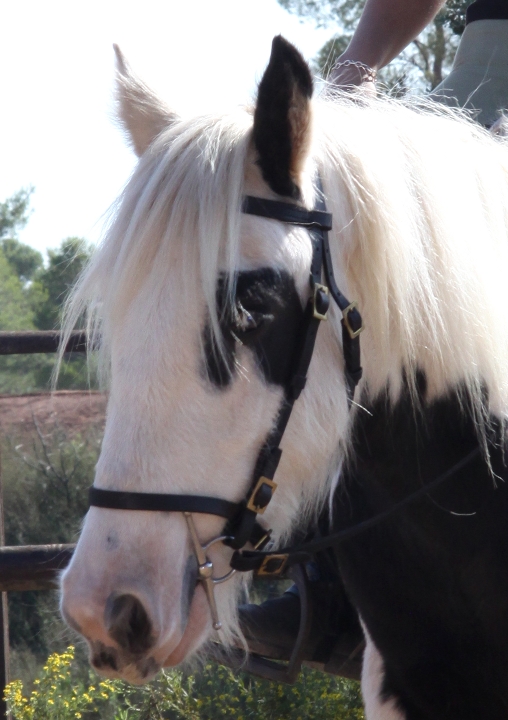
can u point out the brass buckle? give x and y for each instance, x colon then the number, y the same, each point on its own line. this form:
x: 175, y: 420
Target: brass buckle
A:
x: 262, y: 570
x: 262, y: 481
x: 317, y: 288
x: 345, y: 315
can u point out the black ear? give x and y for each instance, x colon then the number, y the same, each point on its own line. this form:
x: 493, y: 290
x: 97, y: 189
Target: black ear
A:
x: 282, y: 118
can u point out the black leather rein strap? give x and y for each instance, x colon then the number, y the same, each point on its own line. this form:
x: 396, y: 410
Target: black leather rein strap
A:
x: 117, y: 500
x: 278, y: 561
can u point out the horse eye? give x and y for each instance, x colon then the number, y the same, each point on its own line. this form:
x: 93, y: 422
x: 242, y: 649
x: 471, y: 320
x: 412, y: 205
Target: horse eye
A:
x: 246, y: 321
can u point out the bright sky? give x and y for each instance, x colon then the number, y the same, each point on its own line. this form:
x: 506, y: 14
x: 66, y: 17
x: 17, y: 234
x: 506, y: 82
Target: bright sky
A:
x: 57, y: 70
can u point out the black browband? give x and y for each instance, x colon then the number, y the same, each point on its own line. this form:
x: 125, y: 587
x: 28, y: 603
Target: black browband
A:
x: 242, y: 527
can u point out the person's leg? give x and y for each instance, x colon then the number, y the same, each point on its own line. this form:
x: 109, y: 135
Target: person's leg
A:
x: 271, y: 628
x: 479, y: 76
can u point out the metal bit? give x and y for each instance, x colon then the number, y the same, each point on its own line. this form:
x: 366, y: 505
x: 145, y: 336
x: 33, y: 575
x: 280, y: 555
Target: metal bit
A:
x: 205, y: 570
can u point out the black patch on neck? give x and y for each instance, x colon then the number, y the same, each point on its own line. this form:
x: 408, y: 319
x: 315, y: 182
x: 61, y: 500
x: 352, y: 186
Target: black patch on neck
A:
x: 265, y: 318
x: 430, y: 582
x: 287, y: 74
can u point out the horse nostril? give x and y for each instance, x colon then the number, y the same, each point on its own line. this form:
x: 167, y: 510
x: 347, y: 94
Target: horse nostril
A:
x: 128, y: 623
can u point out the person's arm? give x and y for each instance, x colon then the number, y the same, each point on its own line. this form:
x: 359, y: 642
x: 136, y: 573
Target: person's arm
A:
x: 384, y: 30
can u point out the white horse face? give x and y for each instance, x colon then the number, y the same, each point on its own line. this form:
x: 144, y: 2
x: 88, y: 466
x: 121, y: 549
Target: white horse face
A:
x: 174, y: 425
x: 184, y: 418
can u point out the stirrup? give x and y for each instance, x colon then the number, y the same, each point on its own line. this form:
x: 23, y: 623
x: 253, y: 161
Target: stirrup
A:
x: 265, y: 667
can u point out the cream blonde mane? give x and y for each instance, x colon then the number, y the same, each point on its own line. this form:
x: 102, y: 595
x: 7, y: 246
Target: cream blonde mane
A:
x: 421, y: 207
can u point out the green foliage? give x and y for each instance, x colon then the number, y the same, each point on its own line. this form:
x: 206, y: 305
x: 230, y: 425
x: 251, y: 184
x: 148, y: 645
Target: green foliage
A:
x: 31, y: 298
x: 14, y: 213
x: 48, y: 292
x: 454, y: 15
x: 58, y: 694
x: 23, y: 259
x: 51, y: 284
x: 46, y: 478
x: 15, y: 309
x: 61, y: 693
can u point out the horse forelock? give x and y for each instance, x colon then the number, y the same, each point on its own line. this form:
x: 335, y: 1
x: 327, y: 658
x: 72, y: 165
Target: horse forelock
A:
x: 180, y: 208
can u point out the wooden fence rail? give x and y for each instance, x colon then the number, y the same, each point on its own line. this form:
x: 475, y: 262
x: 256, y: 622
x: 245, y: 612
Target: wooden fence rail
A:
x: 32, y: 567
x: 47, y: 341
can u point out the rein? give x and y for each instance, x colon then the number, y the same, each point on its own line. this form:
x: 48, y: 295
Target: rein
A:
x: 277, y: 563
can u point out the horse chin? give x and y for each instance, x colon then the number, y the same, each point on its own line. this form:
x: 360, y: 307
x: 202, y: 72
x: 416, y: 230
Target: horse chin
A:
x: 137, y: 673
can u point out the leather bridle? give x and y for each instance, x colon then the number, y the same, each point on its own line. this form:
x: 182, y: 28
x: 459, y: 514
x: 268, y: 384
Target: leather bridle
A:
x: 242, y: 527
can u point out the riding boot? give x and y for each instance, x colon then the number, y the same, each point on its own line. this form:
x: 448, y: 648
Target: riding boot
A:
x: 478, y: 80
x: 335, y: 641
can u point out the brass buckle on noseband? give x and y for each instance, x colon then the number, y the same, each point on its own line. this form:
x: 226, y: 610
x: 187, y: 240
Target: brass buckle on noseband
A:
x: 205, y: 568
x: 252, y: 504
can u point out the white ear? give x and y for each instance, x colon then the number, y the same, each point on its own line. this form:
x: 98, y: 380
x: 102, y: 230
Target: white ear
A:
x: 141, y: 113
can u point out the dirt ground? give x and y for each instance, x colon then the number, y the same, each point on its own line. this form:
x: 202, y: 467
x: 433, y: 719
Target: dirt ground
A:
x: 72, y: 410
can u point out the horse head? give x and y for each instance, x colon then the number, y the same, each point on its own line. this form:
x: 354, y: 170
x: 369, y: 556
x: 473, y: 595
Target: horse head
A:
x: 209, y: 271
x: 198, y: 307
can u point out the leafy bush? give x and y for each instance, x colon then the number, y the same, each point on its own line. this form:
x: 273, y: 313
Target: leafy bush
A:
x: 62, y: 693
x: 46, y: 474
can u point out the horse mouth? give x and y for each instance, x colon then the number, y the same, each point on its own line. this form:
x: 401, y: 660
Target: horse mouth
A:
x: 113, y: 663
x: 116, y: 661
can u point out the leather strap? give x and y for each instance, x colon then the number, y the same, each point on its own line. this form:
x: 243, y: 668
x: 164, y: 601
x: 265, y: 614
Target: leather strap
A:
x: 352, y: 328
x: 161, y: 502
x: 271, y: 562
x: 319, y: 222
x: 287, y: 212
x: 241, y: 527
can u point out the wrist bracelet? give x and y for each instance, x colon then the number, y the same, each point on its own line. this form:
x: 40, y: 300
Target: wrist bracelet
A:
x: 367, y: 73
